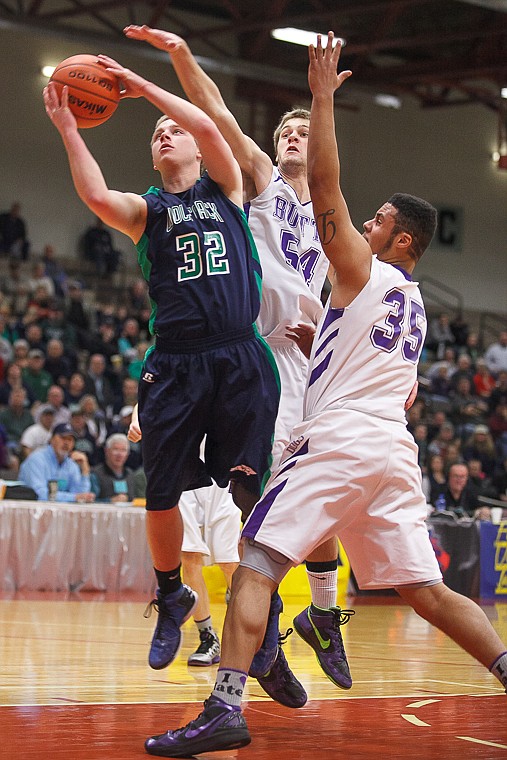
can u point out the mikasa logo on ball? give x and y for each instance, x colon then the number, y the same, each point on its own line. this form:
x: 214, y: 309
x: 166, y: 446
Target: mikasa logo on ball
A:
x: 87, y: 105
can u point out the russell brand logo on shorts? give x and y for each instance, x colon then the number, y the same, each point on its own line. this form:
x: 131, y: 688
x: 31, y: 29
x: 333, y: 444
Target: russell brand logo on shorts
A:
x: 294, y: 445
x: 148, y: 377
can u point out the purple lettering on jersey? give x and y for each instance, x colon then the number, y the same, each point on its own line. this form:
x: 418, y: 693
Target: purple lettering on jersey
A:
x: 292, y: 215
x: 386, y: 337
x: 280, y: 206
x: 413, y: 343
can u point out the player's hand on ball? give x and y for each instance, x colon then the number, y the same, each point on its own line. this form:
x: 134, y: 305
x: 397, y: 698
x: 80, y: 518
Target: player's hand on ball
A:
x: 132, y: 83
x: 58, y: 109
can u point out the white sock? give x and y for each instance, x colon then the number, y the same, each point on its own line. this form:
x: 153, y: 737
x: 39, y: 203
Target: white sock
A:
x: 229, y: 686
x: 205, y: 625
x: 499, y: 669
x: 323, y: 588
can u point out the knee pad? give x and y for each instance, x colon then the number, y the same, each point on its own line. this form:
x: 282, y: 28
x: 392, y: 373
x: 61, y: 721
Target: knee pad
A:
x: 265, y: 561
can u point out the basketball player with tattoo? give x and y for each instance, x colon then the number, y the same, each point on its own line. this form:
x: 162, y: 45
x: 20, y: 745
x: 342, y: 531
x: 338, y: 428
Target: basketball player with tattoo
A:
x: 351, y: 469
x: 280, y: 216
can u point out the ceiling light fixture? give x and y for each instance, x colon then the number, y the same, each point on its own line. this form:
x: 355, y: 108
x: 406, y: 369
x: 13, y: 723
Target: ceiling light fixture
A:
x: 503, y: 92
x: 46, y: 71
x: 299, y: 36
x: 387, y: 101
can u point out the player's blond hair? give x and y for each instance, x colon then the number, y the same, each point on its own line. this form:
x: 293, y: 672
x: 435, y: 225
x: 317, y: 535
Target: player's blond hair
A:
x: 296, y: 113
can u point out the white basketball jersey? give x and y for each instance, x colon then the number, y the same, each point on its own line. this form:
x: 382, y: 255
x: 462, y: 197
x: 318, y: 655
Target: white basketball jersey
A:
x: 364, y: 357
x: 294, y: 266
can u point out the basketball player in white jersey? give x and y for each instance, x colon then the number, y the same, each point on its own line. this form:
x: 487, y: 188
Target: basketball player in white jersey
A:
x: 294, y: 268
x: 351, y: 468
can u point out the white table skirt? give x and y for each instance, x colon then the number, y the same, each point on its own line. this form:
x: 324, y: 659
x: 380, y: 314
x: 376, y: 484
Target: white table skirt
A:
x: 49, y: 546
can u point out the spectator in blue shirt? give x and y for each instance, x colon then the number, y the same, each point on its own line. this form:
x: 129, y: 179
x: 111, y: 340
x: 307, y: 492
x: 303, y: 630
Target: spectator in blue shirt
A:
x: 57, y: 463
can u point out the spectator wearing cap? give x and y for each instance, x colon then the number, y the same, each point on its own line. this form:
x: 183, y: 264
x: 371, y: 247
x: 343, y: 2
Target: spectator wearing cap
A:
x: 58, y: 463
x: 39, y: 434
x: 35, y: 376
x: 113, y: 481
x: 16, y: 418
x: 85, y: 441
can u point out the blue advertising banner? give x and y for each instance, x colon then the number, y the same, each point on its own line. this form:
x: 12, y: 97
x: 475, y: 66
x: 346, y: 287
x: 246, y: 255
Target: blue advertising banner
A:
x: 494, y: 561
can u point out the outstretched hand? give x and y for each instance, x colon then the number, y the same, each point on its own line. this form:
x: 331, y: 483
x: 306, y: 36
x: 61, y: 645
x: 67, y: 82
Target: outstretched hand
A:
x: 132, y: 84
x: 322, y: 72
x: 166, y: 41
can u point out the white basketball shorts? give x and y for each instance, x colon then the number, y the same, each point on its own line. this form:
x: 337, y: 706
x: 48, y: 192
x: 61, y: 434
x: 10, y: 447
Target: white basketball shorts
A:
x: 349, y: 474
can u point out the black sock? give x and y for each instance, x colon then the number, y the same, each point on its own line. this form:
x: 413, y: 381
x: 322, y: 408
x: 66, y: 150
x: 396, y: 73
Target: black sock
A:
x: 168, y: 581
x: 321, y: 567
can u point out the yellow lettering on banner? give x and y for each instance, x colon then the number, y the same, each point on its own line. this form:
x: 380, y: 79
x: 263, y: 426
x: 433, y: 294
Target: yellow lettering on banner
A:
x: 501, y: 557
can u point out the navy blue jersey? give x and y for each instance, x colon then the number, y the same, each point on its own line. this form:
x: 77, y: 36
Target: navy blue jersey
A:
x: 199, y: 259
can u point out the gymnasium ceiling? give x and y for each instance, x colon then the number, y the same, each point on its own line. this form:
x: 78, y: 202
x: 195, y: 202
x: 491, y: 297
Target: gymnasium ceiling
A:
x: 441, y: 52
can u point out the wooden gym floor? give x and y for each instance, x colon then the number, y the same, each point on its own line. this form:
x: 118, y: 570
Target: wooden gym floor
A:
x: 75, y: 684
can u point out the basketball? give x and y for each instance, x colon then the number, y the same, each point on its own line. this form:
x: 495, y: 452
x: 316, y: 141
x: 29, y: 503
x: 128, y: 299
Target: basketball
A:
x: 94, y: 93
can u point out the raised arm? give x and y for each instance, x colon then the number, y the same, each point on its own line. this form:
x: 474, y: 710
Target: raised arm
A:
x: 123, y: 211
x: 347, y: 250
x: 204, y: 93
x: 216, y: 153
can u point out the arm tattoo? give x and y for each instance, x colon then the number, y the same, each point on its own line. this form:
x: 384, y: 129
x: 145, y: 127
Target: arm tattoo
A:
x: 326, y: 226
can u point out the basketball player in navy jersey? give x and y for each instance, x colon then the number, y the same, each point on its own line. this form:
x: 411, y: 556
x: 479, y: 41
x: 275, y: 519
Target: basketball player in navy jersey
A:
x: 280, y: 215
x: 351, y: 468
x: 209, y: 373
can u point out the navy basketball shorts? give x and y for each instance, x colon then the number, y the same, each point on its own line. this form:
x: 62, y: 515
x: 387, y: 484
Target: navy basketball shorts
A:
x: 228, y: 393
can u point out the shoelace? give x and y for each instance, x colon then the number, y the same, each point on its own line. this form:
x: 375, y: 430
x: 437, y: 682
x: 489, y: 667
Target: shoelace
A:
x: 207, y: 641
x: 340, y: 617
x: 154, y: 604
x: 344, y: 616
x: 282, y: 638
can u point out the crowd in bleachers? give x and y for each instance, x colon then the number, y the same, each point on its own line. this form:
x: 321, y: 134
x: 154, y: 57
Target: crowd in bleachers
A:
x: 459, y: 419
x: 65, y: 357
